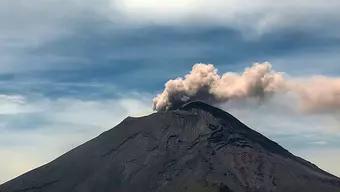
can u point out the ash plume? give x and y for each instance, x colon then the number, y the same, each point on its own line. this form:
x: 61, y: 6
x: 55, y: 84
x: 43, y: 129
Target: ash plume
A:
x: 203, y: 83
x: 317, y: 94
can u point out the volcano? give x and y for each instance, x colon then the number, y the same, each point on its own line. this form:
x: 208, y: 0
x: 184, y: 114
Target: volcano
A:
x: 195, y: 148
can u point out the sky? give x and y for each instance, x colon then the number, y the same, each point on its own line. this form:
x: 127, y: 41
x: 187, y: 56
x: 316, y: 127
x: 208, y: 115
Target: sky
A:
x: 70, y: 70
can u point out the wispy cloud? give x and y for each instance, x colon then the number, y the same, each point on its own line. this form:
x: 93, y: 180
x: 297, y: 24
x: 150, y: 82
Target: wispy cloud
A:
x: 252, y: 17
x: 32, y: 24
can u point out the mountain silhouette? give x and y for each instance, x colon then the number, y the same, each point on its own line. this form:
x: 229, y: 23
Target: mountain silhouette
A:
x: 195, y: 148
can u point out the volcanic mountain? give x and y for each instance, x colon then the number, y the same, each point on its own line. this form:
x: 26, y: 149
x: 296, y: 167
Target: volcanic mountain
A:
x: 195, y: 148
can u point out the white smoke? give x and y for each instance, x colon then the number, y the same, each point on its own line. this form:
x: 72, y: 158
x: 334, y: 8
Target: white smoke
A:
x: 258, y: 81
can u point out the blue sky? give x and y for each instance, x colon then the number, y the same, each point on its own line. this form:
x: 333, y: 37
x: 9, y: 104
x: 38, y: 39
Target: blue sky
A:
x: 72, y: 69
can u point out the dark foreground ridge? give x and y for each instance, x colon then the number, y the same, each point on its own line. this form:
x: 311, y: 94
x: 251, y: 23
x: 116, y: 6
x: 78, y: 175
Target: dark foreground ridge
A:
x: 195, y: 148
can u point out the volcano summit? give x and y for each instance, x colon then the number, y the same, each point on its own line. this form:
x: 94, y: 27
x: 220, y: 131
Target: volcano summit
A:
x: 195, y: 148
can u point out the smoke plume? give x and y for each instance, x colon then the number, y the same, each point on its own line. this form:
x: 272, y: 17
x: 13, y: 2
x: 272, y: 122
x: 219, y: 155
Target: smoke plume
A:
x: 258, y: 81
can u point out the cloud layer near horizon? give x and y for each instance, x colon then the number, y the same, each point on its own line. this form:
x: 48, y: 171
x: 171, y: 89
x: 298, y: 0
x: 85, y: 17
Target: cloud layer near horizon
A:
x: 314, y: 94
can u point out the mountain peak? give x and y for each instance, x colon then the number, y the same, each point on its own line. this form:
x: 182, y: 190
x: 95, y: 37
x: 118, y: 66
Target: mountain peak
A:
x: 198, y: 105
x: 202, y: 106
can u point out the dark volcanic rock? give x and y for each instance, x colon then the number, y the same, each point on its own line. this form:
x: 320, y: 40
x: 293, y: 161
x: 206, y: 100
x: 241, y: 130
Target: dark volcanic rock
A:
x: 197, y: 148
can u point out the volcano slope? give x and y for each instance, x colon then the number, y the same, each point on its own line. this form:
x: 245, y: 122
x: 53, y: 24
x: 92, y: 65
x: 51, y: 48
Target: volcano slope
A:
x: 196, y: 148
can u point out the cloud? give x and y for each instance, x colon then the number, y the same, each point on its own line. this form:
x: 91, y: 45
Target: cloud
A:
x: 38, y: 31
x: 40, y: 21
x: 12, y: 104
x: 34, y: 23
x: 315, y: 94
x: 252, y: 17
